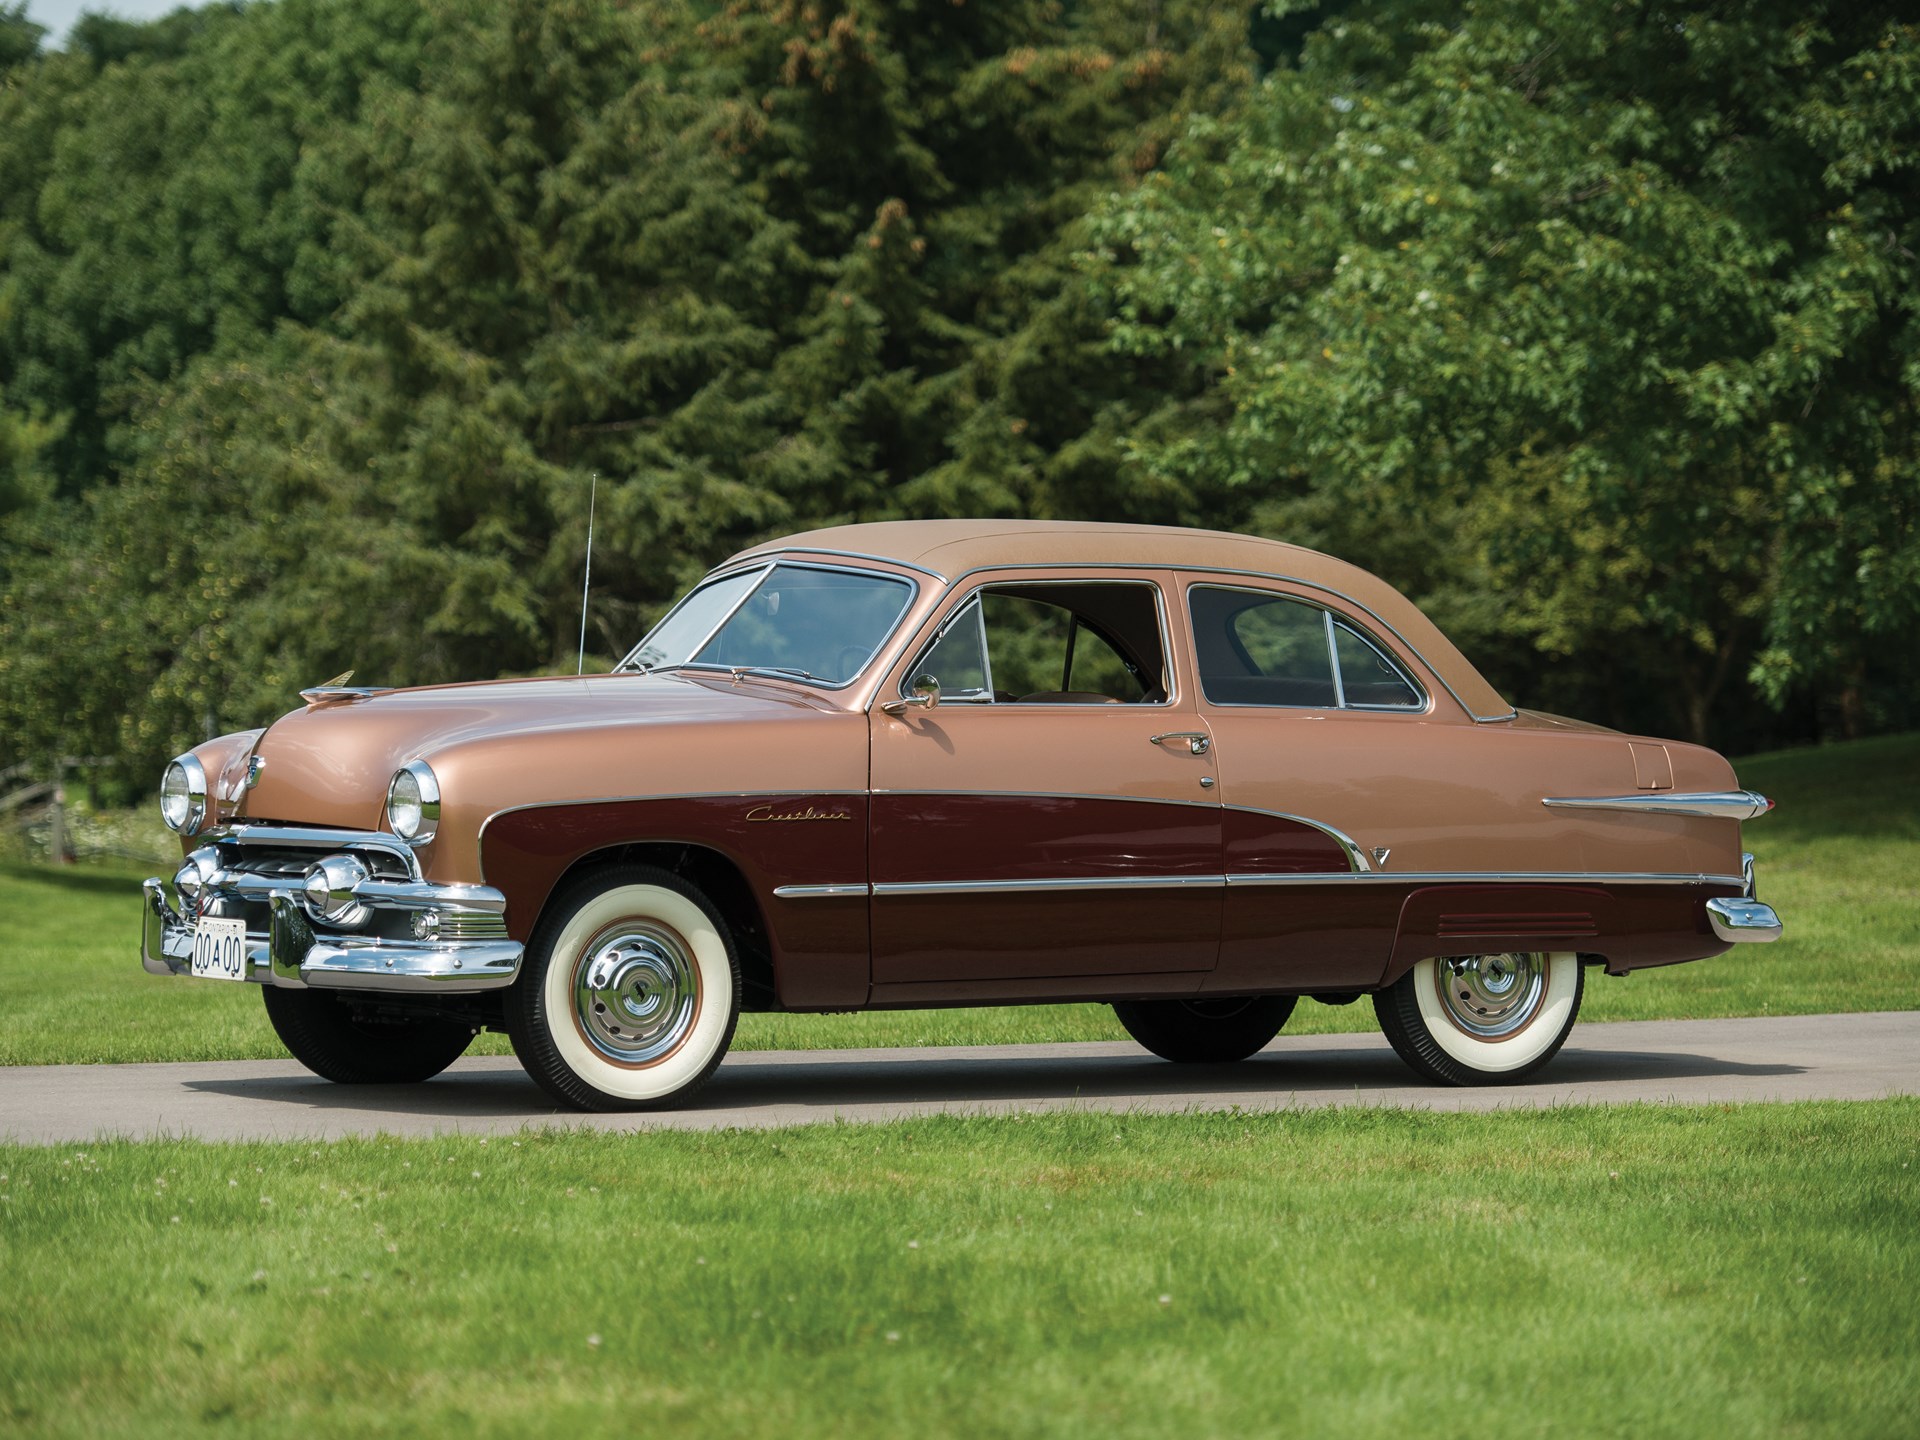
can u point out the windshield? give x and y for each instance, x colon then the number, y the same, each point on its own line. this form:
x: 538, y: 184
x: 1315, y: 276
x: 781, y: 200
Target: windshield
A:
x: 801, y: 620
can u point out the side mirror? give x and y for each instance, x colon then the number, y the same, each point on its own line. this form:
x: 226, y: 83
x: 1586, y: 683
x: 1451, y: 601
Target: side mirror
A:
x: 926, y: 695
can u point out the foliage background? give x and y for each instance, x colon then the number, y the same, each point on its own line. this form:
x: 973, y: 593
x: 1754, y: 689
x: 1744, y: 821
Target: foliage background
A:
x: 1592, y: 326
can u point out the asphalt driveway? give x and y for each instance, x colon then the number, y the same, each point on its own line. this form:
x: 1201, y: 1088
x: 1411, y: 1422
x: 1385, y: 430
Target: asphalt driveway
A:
x: 1800, y: 1057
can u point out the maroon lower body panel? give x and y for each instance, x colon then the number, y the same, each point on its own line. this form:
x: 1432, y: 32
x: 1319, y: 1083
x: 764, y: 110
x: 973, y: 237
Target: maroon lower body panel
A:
x: 955, y: 942
x: 1343, y: 936
x: 1633, y: 927
x: 818, y: 944
x: 1298, y: 939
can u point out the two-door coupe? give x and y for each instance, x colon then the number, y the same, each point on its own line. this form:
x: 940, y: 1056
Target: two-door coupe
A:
x: 1195, y: 775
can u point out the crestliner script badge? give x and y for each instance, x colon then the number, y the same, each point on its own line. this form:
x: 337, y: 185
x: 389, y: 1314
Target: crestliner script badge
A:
x: 767, y: 812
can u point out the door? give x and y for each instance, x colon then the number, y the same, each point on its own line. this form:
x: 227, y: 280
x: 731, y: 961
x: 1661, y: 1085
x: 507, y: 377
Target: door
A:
x: 1053, y: 818
x: 1314, y: 721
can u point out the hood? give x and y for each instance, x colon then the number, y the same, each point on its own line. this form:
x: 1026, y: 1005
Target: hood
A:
x: 506, y: 742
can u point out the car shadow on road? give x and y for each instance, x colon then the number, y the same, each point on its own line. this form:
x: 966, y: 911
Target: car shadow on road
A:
x: 753, y: 1088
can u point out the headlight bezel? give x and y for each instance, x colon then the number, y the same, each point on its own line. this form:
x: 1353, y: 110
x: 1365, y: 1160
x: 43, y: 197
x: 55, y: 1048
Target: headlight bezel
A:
x: 423, y: 803
x: 192, y: 791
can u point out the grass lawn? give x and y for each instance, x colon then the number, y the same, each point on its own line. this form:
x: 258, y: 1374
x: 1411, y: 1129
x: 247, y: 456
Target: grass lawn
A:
x: 1641, y: 1271
x: 1837, y: 859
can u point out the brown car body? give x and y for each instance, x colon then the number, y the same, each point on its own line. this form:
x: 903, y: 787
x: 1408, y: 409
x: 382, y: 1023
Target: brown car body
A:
x: 870, y: 853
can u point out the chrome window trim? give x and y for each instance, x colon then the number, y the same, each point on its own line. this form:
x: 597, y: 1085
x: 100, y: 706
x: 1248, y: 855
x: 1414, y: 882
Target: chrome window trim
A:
x: 762, y: 568
x: 1330, y: 619
x: 940, y: 632
x: 1715, y: 804
x: 1171, y: 676
x: 1413, y: 681
x: 705, y: 580
x: 1333, y: 656
x: 1361, y: 606
x: 757, y: 555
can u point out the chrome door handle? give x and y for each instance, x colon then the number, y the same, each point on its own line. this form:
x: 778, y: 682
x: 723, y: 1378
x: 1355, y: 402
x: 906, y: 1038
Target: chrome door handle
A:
x: 1198, y: 741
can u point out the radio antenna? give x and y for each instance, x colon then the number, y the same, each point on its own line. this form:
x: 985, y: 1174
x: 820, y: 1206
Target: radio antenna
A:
x: 586, y: 584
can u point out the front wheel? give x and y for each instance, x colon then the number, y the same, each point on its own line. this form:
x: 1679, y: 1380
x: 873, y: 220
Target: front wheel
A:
x: 1205, y: 1032
x: 1482, y: 1019
x: 629, y: 992
x: 328, y: 1036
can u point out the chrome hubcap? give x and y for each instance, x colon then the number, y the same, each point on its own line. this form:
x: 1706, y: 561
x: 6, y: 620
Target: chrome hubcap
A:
x: 636, y: 992
x: 1491, y: 996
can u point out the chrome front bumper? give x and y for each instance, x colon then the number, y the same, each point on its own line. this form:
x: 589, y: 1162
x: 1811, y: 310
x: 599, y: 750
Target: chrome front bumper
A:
x: 1745, y: 920
x: 291, y: 954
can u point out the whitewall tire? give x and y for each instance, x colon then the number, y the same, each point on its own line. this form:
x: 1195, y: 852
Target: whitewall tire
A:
x: 629, y: 993
x: 1482, y: 1019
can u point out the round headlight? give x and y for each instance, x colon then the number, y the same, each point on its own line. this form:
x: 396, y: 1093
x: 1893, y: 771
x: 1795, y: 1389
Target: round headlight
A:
x: 413, y: 803
x: 183, y: 795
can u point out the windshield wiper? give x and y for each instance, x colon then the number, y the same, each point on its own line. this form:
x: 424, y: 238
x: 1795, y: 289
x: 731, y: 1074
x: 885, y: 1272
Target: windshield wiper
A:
x: 775, y: 672
x: 779, y: 672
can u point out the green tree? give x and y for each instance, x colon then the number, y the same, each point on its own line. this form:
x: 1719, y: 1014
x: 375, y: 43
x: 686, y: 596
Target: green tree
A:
x: 1607, y: 311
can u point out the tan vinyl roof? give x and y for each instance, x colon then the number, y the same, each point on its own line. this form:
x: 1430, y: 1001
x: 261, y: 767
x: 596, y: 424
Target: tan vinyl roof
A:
x: 952, y: 548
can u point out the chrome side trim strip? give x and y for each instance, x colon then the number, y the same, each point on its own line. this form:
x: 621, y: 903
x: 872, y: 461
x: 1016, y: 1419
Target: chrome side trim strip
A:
x: 1486, y: 877
x: 1020, y: 887
x: 1357, y: 861
x: 1190, y: 882
x: 1717, y: 804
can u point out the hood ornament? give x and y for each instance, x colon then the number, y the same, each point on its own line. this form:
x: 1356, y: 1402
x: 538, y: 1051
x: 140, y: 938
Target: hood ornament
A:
x: 337, y: 689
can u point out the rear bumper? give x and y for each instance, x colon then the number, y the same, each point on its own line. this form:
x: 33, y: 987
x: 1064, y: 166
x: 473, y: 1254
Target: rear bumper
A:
x: 290, y: 954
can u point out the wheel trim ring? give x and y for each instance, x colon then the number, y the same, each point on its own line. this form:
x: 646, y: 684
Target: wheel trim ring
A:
x: 648, y: 932
x: 1529, y: 1000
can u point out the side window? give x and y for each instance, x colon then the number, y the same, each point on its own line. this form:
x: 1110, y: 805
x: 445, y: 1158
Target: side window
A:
x: 1053, y: 643
x: 1258, y: 649
x: 1368, y: 679
x: 1261, y: 649
x: 1041, y: 650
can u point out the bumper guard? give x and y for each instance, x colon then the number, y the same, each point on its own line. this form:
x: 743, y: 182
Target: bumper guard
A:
x: 1744, y: 920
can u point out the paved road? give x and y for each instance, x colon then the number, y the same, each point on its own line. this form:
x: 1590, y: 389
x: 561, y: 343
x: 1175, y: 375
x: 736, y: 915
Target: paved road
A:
x: 1802, y: 1057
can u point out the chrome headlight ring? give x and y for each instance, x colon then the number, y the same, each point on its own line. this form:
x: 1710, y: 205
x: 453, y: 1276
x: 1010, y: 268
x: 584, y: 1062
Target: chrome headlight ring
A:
x: 183, y: 794
x: 413, y: 802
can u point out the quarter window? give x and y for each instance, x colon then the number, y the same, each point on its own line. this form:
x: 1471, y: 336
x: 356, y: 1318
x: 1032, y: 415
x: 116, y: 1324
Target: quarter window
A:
x: 1261, y: 649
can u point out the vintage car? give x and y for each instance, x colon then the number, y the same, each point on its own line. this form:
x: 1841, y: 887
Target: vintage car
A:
x: 1194, y: 775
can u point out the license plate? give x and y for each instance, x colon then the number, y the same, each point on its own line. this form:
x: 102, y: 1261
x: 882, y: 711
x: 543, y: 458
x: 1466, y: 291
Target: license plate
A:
x: 220, y: 949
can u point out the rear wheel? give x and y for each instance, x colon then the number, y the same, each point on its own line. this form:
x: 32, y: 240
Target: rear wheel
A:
x: 323, y: 1032
x: 629, y: 992
x: 1482, y: 1019
x: 1205, y: 1032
